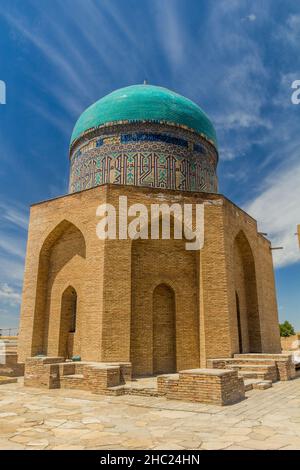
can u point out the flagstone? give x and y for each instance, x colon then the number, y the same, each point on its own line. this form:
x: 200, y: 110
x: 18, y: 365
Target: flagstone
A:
x: 38, y: 443
x: 62, y: 419
x: 68, y: 447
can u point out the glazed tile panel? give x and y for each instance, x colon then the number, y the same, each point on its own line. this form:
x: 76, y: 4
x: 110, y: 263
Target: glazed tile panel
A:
x: 139, y: 156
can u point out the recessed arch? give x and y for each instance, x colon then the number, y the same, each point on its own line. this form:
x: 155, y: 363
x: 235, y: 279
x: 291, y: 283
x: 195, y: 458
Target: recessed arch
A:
x: 68, y: 321
x: 164, y: 329
x: 60, y: 246
x: 159, y: 262
x: 246, y: 302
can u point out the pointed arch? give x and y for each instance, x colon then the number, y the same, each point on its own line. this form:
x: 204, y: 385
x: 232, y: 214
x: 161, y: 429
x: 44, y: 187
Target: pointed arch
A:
x: 247, y: 312
x: 164, y: 329
x: 59, y: 247
x: 67, y: 326
x: 157, y: 262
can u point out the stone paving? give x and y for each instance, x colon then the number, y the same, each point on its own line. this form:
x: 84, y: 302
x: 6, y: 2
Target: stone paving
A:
x: 72, y: 419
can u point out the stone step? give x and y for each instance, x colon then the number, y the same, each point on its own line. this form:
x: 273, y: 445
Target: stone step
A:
x: 262, y: 372
x: 73, y: 376
x: 262, y: 357
x: 7, y: 380
x: 141, y: 391
x: 251, y: 384
x: 249, y: 360
x: 75, y: 381
x: 253, y: 375
x: 258, y: 367
x: 130, y: 390
x: 116, y: 391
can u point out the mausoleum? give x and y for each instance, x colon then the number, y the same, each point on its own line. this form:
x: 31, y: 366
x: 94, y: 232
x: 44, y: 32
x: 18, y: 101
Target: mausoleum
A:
x: 143, y: 306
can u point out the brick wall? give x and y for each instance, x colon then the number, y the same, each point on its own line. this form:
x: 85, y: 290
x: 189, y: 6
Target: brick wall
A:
x: 210, y: 386
x: 290, y: 343
x: 115, y: 280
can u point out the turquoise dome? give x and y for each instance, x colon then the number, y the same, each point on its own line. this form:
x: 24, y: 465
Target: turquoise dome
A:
x: 145, y: 103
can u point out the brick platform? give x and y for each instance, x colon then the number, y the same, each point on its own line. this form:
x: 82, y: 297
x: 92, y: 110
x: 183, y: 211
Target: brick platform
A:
x: 213, y: 386
x: 54, y: 372
x: 271, y: 367
x: 9, y: 365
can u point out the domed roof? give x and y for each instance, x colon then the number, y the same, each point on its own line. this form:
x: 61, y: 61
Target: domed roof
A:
x: 145, y: 103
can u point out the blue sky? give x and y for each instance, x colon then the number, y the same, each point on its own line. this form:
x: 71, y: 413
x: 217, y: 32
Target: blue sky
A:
x: 237, y: 59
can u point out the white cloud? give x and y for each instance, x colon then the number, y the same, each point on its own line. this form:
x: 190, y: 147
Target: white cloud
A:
x: 9, y: 318
x: 9, y: 295
x: 13, y: 232
x: 290, y: 32
x: 250, y: 17
x: 11, y: 270
x: 278, y: 214
x: 60, y: 123
x: 53, y: 54
x: 171, y: 31
x: 15, y: 214
x: 242, y: 119
x: 12, y: 245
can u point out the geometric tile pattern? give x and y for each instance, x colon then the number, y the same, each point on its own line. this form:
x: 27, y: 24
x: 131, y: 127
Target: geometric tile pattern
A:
x: 156, y: 156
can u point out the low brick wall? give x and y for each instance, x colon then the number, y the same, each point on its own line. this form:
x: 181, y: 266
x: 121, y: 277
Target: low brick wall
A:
x: 211, y: 386
x: 275, y: 366
x: 9, y: 365
x: 286, y: 369
x: 42, y: 372
x: 125, y: 370
x: 284, y: 363
x: 54, y: 372
x: 8, y: 380
x: 290, y: 343
x: 99, y: 378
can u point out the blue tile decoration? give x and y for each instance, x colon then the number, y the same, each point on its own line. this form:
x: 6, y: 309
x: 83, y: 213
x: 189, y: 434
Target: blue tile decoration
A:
x: 152, y: 155
x: 150, y: 137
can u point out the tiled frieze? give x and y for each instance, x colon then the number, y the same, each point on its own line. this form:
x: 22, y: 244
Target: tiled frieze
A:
x: 145, y: 157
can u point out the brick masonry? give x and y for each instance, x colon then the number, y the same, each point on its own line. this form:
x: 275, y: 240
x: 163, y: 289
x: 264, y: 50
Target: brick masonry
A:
x: 290, y: 343
x: 212, y: 386
x: 9, y: 365
x: 115, y: 280
x: 273, y: 366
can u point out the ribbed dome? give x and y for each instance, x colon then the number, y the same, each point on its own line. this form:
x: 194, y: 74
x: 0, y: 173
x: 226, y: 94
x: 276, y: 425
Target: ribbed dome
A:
x: 145, y: 103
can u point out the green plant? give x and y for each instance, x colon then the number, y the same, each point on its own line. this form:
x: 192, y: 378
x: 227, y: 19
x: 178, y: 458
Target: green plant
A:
x: 286, y: 329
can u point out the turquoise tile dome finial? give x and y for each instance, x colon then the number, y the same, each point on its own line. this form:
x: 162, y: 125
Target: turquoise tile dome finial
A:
x: 140, y: 103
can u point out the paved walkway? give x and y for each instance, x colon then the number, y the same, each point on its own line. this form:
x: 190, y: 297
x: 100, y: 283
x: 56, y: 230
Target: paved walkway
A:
x: 72, y: 419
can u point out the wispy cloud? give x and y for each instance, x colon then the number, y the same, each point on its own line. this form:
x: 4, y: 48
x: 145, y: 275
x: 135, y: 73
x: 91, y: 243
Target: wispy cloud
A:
x: 242, y: 119
x: 277, y: 210
x: 250, y: 17
x: 12, y: 245
x: 289, y: 31
x: 171, y: 31
x: 13, y: 234
x: 9, y: 295
x: 9, y: 318
x: 12, y: 271
x: 12, y: 213
x: 52, y: 53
